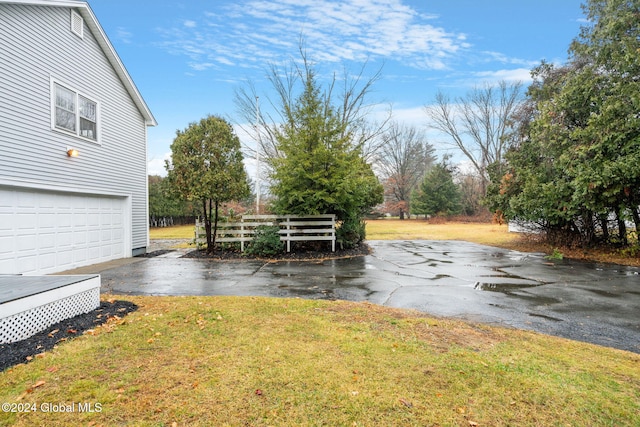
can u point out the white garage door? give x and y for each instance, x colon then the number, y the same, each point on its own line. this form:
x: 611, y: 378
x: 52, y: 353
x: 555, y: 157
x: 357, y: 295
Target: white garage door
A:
x: 46, y: 232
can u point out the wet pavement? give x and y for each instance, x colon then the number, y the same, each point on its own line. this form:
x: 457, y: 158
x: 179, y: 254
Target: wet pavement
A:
x: 597, y: 303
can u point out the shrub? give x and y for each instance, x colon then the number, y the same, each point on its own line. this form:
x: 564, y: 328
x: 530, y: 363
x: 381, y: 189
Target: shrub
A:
x: 351, y: 232
x: 556, y: 255
x: 266, y: 241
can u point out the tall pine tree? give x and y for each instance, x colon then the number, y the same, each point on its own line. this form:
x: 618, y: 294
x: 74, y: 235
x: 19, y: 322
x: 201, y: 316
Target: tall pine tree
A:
x: 320, y: 170
x: 437, y: 195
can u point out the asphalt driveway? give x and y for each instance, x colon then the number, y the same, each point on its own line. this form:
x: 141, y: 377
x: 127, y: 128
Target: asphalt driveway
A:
x: 596, y: 303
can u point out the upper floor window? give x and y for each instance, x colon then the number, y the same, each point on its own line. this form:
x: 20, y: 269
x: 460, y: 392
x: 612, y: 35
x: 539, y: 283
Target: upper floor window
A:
x: 74, y: 112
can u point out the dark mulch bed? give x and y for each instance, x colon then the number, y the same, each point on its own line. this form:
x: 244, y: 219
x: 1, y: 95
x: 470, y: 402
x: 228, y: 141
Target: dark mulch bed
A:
x: 23, y: 351
x: 301, y: 252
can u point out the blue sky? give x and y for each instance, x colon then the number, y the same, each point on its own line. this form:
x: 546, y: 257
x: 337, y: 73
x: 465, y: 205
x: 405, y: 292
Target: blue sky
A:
x: 188, y: 57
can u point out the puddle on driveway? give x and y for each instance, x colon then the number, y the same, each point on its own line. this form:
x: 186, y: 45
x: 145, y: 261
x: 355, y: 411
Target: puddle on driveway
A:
x: 504, y: 282
x: 505, y: 288
x: 517, y: 290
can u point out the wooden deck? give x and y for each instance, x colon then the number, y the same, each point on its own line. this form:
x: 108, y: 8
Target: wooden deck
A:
x: 29, y: 304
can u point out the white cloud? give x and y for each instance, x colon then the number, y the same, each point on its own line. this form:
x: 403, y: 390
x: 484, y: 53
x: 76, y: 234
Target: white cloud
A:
x: 201, y: 66
x: 123, y: 35
x: 474, y: 79
x: 513, y: 75
x: 501, y: 57
x: 155, y: 165
x: 252, y: 32
x: 411, y: 116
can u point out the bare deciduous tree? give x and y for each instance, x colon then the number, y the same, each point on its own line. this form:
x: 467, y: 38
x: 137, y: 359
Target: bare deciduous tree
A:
x: 348, y: 94
x: 470, y: 192
x: 402, y: 162
x: 478, y: 124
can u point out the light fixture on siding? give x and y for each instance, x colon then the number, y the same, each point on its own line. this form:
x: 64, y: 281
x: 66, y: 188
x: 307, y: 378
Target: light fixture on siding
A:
x: 72, y: 152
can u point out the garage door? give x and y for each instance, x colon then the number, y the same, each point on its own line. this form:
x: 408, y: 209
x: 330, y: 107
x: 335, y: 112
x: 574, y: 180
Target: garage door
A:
x: 47, y: 232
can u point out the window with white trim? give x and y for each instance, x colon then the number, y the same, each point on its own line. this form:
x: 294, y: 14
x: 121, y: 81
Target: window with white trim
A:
x: 74, y: 112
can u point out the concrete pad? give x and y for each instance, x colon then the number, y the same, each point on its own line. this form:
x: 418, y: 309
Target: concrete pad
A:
x: 99, y: 268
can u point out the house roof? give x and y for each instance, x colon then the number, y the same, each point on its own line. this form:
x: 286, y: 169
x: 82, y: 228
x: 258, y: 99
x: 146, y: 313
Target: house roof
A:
x: 83, y: 8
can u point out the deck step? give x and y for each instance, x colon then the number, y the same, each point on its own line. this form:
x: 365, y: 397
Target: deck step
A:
x: 30, y: 304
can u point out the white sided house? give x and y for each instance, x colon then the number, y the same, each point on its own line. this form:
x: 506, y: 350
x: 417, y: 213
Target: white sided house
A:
x: 73, y: 142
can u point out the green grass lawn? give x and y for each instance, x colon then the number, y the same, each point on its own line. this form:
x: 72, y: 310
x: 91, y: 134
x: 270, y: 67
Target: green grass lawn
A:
x: 176, y: 232
x: 483, y: 233
x: 236, y: 361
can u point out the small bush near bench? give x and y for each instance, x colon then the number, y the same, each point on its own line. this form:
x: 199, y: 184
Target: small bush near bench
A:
x: 266, y: 241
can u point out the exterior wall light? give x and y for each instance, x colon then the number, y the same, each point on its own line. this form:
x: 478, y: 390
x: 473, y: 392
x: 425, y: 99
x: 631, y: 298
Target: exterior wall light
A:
x: 72, y: 152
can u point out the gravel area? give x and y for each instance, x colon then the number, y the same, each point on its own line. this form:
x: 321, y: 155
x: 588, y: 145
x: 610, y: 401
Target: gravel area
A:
x: 24, y: 351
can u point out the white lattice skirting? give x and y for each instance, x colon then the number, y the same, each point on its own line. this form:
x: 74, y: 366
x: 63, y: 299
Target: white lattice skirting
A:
x: 22, y: 318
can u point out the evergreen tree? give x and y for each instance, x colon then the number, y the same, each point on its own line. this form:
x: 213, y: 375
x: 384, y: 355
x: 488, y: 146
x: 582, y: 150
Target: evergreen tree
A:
x: 163, y: 203
x: 320, y: 169
x: 577, y: 161
x: 437, y: 194
x: 609, y: 154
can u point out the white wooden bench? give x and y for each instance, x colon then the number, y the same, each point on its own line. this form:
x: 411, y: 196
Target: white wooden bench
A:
x: 308, y: 228
x: 293, y: 228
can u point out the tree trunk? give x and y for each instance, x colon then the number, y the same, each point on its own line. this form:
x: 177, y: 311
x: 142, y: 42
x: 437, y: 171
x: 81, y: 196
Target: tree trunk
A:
x: 207, y: 223
x: 589, y: 229
x: 604, y: 224
x: 215, y: 224
x: 636, y: 219
x: 622, y: 227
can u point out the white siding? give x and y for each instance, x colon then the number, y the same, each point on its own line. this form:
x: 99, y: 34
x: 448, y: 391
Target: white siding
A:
x: 36, y: 45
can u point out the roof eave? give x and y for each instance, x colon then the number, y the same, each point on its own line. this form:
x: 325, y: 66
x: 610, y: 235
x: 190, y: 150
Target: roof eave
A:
x: 95, y: 27
x: 110, y: 52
